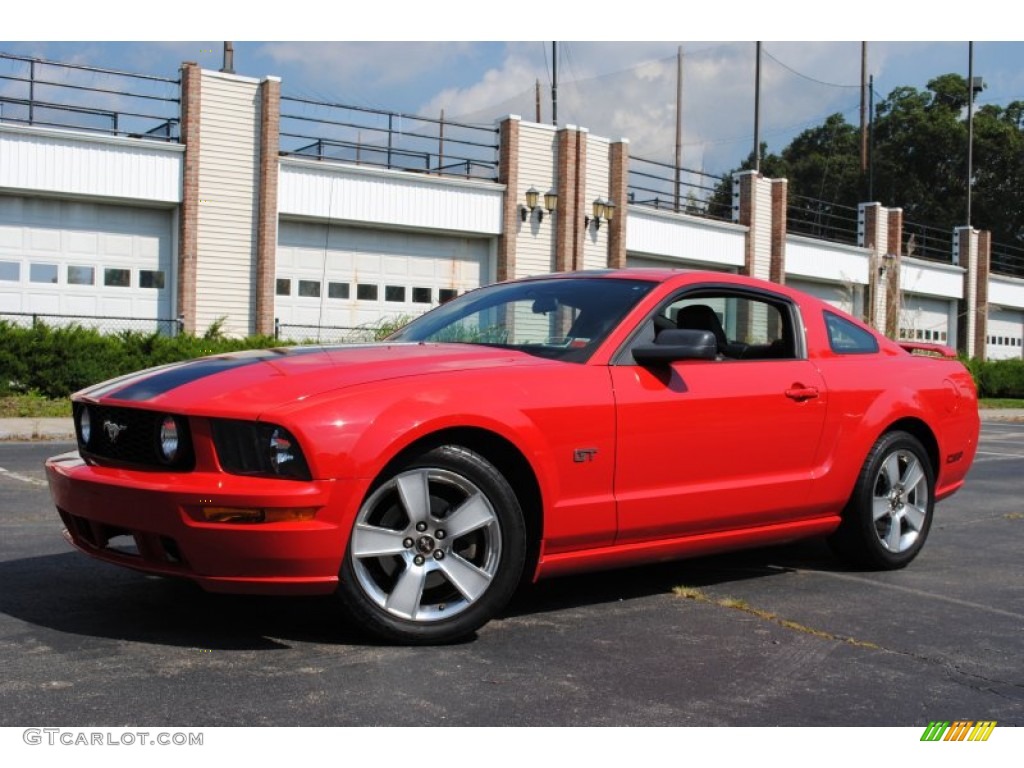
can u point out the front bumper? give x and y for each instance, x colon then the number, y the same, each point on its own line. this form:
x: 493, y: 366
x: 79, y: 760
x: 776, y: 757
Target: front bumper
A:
x: 153, y: 522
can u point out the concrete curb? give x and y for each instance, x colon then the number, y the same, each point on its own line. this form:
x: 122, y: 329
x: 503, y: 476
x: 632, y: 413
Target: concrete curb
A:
x: 41, y: 429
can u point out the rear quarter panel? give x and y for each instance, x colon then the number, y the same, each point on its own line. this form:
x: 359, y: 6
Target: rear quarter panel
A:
x: 869, y: 394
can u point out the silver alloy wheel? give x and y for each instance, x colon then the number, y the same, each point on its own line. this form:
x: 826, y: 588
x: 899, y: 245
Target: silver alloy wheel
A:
x: 426, y: 545
x: 899, y: 501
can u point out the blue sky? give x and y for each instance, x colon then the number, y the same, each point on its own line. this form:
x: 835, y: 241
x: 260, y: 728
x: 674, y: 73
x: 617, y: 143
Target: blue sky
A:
x: 614, y: 88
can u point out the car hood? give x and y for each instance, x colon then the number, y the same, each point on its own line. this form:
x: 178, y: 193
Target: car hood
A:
x: 252, y: 382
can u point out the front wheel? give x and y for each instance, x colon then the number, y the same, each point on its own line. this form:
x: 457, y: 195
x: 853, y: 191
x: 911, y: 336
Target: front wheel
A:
x: 436, y: 551
x: 886, y: 521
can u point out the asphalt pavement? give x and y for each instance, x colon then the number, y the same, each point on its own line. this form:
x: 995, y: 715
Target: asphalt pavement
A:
x: 778, y: 636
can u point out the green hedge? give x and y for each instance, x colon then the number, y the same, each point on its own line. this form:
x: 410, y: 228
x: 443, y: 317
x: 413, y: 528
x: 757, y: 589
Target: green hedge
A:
x: 55, y: 362
x: 998, y: 378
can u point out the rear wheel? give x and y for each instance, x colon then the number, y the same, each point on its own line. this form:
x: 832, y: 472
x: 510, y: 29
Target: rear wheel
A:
x: 436, y: 550
x: 887, y: 519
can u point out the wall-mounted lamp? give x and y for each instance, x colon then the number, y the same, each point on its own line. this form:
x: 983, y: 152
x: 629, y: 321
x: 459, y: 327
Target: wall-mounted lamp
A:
x: 602, y: 209
x: 532, y: 198
x: 887, y: 259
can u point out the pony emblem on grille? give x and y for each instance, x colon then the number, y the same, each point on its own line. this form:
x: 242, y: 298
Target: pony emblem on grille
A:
x: 113, y: 430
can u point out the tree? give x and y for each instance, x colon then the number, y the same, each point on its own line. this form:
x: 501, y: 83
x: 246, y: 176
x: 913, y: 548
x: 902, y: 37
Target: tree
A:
x: 919, y: 160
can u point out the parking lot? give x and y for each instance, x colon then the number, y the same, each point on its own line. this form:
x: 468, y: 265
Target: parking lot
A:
x: 781, y: 636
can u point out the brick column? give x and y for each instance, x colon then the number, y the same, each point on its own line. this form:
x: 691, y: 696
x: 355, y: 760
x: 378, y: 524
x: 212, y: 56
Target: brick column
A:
x: 777, y: 263
x: 189, y: 210
x: 965, y: 253
x: 894, y: 248
x: 508, y: 174
x: 619, y: 175
x: 568, y: 243
x: 981, y: 293
x: 752, y: 207
x: 873, y: 234
x: 266, y: 226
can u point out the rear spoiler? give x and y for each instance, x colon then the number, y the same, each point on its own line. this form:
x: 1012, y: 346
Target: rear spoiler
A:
x: 928, y: 350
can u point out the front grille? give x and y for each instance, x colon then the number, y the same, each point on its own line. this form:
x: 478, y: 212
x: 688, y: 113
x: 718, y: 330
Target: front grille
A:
x: 132, y: 436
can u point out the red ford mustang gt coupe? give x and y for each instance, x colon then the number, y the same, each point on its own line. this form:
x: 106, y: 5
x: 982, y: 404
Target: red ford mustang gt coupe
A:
x: 524, y: 430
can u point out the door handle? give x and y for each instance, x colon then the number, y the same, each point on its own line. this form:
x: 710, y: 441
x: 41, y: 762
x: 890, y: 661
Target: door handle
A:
x: 799, y: 393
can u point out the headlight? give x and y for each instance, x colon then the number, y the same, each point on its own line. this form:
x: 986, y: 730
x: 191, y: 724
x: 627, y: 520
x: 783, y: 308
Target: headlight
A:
x: 169, y: 441
x: 255, y: 448
x: 84, y: 425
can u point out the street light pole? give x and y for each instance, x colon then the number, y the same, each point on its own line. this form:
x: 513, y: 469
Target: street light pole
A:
x: 970, y: 126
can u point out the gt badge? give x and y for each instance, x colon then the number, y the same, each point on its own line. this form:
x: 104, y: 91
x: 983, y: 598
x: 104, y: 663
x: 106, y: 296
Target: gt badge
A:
x: 581, y: 455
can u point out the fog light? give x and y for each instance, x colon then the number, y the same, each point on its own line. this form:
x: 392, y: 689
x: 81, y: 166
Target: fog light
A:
x: 251, y: 515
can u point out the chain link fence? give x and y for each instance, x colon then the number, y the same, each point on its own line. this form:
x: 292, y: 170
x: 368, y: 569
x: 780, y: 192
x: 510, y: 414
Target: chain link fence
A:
x: 102, y: 323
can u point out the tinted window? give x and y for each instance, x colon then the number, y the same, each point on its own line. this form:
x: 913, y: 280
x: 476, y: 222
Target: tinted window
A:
x: 365, y: 292
x: 337, y: 290
x: 10, y: 270
x: 846, y: 338
x: 118, y: 278
x: 284, y: 286
x: 309, y: 288
x: 746, y: 326
x: 151, y: 278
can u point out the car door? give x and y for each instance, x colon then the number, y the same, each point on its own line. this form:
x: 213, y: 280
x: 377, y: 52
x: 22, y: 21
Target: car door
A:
x: 712, y: 445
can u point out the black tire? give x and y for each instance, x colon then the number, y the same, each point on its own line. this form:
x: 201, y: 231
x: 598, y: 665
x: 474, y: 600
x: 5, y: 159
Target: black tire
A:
x: 887, y: 519
x: 436, y: 551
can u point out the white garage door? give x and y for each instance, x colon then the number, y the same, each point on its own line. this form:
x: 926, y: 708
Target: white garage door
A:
x: 648, y: 262
x: 847, y: 297
x: 69, y: 261
x: 925, y: 318
x: 1005, y: 334
x: 346, y: 277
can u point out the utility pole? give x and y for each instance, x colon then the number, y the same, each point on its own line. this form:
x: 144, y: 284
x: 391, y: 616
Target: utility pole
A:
x: 536, y: 96
x: 757, y: 108
x: 554, y: 84
x: 679, y: 124
x: 970, y: 126
x: 863, y: 107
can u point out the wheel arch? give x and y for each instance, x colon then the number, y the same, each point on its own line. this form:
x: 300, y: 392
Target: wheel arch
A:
x: 924, y: 434
x: 507, y: 459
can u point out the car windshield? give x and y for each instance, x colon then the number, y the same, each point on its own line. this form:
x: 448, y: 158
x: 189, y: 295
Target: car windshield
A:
x: 563, y: 318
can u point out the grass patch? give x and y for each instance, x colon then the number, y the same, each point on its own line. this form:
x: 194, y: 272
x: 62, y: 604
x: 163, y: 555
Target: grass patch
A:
x: 1000, y: 402
x: 691, y: 593
x: 33, y: 406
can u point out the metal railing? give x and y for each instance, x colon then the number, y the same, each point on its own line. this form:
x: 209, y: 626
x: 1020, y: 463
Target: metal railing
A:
x: 52, y: 94
x: 102, y: 323
x: 930, y: 243
x: 1007, y: 260
x: 383, y: 139
x: 821, y: 219
x: 665, y: 187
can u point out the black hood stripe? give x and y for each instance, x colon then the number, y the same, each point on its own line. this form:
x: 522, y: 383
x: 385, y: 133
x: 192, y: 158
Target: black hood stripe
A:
x: 164, y: 380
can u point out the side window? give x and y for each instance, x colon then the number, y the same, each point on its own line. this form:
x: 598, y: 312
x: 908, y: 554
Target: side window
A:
x: 846, y: 338
x: 746, y: 326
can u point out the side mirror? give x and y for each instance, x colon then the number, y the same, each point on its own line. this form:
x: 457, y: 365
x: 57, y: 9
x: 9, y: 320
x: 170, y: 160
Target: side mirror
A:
x: 677, y: 344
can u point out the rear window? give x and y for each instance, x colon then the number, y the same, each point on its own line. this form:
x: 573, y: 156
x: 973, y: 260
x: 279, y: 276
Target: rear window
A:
x: 847, y: 338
